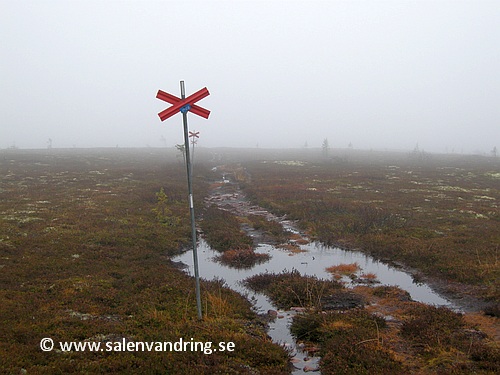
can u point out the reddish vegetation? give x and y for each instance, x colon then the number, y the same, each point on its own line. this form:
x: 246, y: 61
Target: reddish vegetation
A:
x: 439, y: 215
x: 344, y: 269
x: 85, y: 241
x: 242, y: 258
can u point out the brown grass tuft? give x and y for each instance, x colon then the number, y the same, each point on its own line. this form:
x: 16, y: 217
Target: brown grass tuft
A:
x: 344, y: 269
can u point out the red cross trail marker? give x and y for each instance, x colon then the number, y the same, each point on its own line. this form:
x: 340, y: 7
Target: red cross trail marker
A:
x: 194, y: 134
x: 185, y: 105
x: 179, y: 103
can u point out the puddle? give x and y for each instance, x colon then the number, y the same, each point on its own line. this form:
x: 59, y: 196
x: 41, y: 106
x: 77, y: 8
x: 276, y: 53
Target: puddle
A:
x: 279, y: 330
x: 312, y: 262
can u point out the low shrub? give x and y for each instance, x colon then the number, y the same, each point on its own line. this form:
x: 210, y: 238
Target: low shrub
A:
x: 290, y: 288
x: 350, y: 342
x: 387, y: 291
x: 242, y: 258
x: 430, y: 326
x: 272, y: 228
x: 344, y: 269
x: 222, y: 230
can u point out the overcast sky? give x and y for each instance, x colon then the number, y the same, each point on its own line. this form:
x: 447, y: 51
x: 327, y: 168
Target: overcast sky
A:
x: 377, y: 74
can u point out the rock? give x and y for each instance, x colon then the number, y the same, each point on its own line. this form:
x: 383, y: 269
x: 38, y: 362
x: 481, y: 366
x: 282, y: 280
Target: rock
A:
x: 311, y: 368
x: 272, y: 313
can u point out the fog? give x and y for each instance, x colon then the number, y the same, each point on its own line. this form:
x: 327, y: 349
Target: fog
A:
x: 374, y: 75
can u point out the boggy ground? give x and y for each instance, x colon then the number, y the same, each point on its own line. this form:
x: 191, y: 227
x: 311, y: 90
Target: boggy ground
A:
x: 436, y: 214
x: 373, y: 330
x: 85, y: 241
x: 379, y: 330
x: 86, y: 237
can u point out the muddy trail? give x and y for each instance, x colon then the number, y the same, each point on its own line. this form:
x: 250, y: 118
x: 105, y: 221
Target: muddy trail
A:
x: 297, y: 252
x: 227, y: 195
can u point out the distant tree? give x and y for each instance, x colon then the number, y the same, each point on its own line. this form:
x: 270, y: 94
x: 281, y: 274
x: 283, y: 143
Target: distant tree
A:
x: 163, y: 213
x: 324, y: 147
x: 182, y: 150
x: 49, y: 143
x: 350, y: 145
x: 494, y: 152
x: 419, y: 154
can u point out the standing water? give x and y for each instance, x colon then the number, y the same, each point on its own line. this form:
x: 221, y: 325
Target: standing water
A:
x: 312, y: 260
